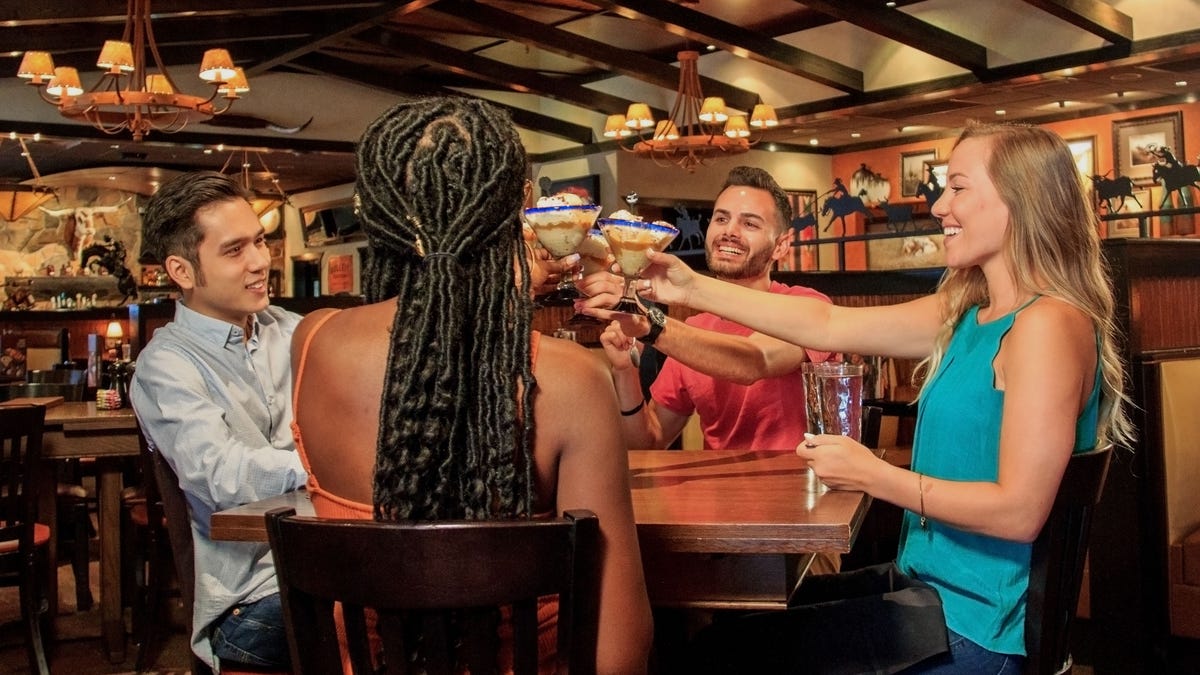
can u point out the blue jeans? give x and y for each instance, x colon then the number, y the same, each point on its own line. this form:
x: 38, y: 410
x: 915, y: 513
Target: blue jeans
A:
x: 253, y: 634
x: 967, y: 658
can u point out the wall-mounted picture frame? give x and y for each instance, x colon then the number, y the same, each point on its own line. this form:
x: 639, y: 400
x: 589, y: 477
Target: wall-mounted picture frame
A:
x: 912, y: 170
x: 803, y: 228
x: 1083, y: 149
x: 587, y: 187
x: 938, y: 169
x: 1136, y: 140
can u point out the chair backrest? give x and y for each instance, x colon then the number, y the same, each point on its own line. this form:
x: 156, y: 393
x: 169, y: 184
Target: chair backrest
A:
x: 20, y: 451
x: 179, y: 530
x: 421, y: 579
x: 69, y: 392
x: 1056, y: 565
x: 872, y: 419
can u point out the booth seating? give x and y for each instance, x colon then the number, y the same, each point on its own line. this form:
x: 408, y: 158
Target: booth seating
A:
x: 1180, y: 405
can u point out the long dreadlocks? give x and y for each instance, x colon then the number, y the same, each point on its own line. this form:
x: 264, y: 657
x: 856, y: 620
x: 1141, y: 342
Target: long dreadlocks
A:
x: 439, y: 187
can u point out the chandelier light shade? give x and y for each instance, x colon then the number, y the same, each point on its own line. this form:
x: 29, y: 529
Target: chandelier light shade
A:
x: 127, y: 96
x: 18, y: 199
x: 698, y: 128
x: 615, y: 127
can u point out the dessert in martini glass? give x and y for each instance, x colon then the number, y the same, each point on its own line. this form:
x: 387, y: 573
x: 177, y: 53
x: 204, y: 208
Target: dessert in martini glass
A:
x: 561, y: 223
x: 594, y: 256
x: 630, y: 238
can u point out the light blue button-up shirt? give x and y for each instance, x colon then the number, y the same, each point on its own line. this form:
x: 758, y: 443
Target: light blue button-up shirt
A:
x: 219, y: 408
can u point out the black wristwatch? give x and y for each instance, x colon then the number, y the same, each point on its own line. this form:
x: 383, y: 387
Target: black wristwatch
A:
x: 658, y: 321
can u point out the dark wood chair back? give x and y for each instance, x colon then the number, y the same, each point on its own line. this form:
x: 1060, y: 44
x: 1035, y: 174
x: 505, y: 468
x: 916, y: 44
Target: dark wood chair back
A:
x: 20, y: 452
x: 872, y: 419
x: 179, y: 532
x: 1056, y: 565
x: 435, y: 588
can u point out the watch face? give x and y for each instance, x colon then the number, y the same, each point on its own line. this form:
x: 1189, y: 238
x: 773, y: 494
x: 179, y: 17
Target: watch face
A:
x: 656, y: 316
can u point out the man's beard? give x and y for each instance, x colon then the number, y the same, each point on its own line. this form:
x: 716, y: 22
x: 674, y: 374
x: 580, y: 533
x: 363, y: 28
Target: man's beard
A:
x: 754, y: 265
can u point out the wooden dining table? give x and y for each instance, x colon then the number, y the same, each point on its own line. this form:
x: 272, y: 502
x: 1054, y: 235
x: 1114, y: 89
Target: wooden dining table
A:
x: 717, y: 529
x: 75, y: 430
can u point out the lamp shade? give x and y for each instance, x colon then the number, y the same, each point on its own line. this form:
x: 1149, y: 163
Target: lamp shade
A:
x: 18, y: 200
x: 713, y: 110
x: 763, y: 116
x: 157, y: 83
x: 638, y: 116
x: 116, y: 56
x: 238, y: 84
x: 217, y: 66
x: 36, y: 66
x: 666, y: 130
x: 615, y: 127
x: 736, y: 127
x: 65, y: 82
x: 114, y: 330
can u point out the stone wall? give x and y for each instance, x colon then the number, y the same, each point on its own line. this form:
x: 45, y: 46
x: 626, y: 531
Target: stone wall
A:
x: 54, y: 235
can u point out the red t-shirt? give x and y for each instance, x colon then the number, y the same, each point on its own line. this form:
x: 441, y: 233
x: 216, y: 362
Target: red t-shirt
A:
x: 766, y: 415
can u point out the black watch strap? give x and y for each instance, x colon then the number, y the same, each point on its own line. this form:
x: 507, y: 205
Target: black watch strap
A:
x: 658, y: 321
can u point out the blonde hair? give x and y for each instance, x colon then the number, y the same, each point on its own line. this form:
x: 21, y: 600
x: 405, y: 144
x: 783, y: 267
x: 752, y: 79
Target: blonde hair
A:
x: 1052, y: 247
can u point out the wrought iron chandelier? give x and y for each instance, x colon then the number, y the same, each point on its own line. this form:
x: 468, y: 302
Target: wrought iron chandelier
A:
x: 128, y: 97
x: 698, y: 128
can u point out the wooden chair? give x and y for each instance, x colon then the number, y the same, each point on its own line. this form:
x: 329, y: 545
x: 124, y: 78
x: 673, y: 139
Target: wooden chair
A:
x: 23, y: 541
x: 421, y: 578
x: 872, y: 419
x: 146, y: 546
x: 1056, y: 565
x: 179, y: 532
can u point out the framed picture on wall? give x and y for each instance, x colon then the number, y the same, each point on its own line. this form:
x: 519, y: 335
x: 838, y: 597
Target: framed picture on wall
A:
x: 1083, y: 149
x: 912, y: 170
x: 938, y: 170
x: 1141, y: 141
x: 587, y: 187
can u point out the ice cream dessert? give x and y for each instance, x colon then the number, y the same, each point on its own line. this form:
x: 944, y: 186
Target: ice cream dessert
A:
x: 593, y: 252
x: 630, y: 238
x: 561, y: 222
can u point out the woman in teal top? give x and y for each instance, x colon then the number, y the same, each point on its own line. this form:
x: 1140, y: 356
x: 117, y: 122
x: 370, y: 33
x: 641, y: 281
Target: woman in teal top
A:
x: 1021, y: 346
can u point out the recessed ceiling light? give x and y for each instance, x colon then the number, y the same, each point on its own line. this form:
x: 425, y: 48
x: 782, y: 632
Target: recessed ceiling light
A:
x: 112, y: 177
x: 1001, y: 112
x: 890, y: 4
x: 855, y: 134
x: 711, y: 48
x: 813, y: 141
x: 771, y: 148
x: 1181, y: 83
x: 208, y: 151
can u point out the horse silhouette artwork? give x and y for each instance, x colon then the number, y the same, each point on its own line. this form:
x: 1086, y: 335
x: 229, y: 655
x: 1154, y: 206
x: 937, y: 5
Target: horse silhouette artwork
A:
x: 690, y: 237
x: 931, y: 191
x: 1175, y: 179
x: 1108, y: 189
x: 841, y: 207
x: 899, y: 216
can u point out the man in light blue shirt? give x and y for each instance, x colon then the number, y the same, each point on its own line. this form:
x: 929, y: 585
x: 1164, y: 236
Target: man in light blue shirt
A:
x: 213, y: 393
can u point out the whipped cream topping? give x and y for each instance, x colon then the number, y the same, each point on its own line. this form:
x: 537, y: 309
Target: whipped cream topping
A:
x: 560, y: 199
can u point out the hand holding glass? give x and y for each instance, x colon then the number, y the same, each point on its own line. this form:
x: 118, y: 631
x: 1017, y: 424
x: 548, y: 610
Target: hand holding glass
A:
x: 833, y: 394
x: 560, y: 230
x: 629, y: 241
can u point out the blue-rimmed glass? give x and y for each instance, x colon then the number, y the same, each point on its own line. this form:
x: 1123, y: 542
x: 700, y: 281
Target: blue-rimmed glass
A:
x: 629, y: 241
x: 559, y: 230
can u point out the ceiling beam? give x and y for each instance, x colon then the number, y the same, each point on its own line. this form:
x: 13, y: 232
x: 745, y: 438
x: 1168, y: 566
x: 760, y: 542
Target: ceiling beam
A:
x: 1093, y: 16
x: 58, y: 12
x: 342, y: 28
x: 519, y: 80
x: 592, y: 52
x: 908, y: 30
x: 383, y: 79
x: 739, y: 41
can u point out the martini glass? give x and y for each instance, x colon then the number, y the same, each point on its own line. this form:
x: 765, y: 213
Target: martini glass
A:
x: 594, y: 256
x: 560, y: 229
x: 629, y: 241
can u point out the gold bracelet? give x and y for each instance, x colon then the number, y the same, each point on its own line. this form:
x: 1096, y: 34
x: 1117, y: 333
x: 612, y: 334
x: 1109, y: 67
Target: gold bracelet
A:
x: 921, y: 491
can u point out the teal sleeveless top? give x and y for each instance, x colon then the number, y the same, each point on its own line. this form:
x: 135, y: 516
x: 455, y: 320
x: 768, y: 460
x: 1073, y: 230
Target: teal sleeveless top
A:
x: 982, y: 580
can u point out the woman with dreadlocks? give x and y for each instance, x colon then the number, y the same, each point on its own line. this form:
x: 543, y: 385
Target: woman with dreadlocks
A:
x: 446, y: 404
